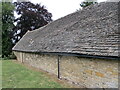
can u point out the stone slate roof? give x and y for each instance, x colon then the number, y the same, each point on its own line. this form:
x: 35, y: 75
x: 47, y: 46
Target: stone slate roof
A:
x: 91, y: 31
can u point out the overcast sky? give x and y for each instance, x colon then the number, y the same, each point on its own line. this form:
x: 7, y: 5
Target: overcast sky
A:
x: 60, y: 8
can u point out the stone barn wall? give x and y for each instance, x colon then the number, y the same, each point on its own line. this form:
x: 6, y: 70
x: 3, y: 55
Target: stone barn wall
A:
x: 90, y: 73
x: 93, y: 73
x: 45, y: 62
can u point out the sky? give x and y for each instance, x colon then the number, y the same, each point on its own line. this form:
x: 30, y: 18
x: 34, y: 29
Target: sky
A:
x: 60, y: 8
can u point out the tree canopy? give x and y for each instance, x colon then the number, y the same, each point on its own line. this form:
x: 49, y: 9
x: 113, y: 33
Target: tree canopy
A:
x: 86, y: 3
x: 7, y: 25
x: 31, y: 17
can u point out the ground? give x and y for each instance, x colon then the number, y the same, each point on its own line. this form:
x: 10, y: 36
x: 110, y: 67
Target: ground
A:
x: 17, y: 75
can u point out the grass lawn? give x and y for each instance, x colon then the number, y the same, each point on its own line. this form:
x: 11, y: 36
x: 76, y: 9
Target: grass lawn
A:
x: 15, y: 75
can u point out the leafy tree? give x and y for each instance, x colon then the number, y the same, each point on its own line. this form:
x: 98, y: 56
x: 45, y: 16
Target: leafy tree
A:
x: 7, y: 25
x: 0, y: 29
x: 87, y: 3
x: 31, y: 17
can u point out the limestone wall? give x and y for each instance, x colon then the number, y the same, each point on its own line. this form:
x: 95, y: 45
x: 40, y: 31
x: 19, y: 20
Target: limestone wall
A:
x: 45, y: 62
x: 92, y: 73
x: 19, y: 56
x: 88, y: 72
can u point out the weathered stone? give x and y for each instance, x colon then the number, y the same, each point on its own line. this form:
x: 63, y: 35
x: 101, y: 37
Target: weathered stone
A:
x: 87, y: 72
x: 93, y: 31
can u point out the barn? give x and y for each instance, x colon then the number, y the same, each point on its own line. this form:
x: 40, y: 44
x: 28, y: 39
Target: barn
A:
x: 81, y: 47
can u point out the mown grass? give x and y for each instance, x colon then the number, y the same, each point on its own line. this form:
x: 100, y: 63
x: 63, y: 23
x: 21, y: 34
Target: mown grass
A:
x: 15, y: 75
x: 0, y: 73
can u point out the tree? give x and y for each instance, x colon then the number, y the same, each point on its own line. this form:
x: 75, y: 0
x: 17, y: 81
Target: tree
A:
x: 31, y: 17
x: 7, y: 25
x: 87, y: 3
x: 0, y: 29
